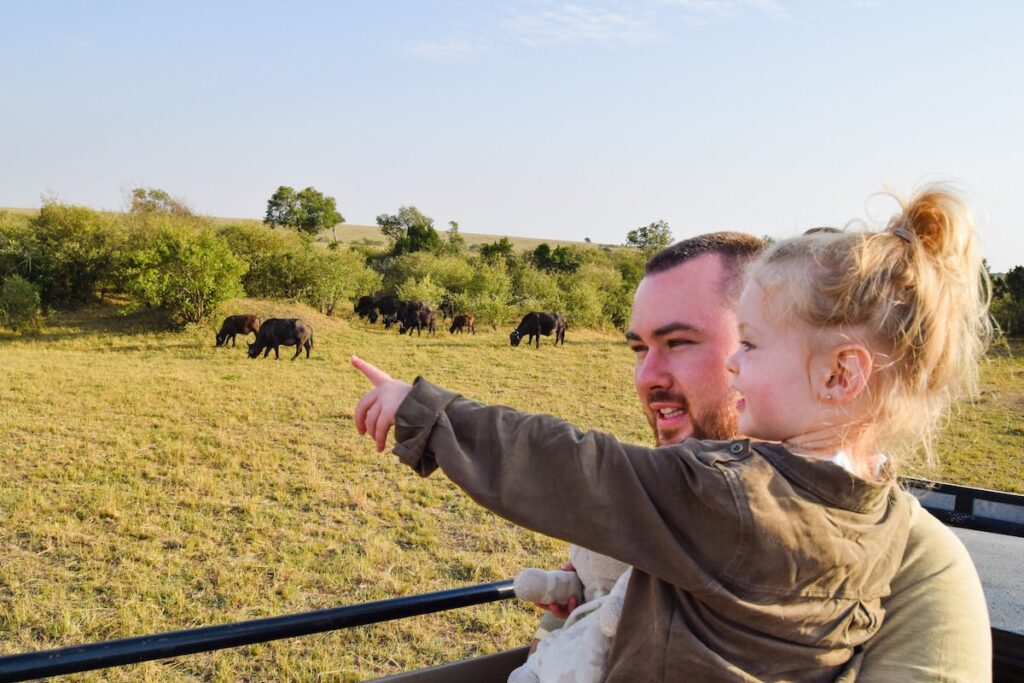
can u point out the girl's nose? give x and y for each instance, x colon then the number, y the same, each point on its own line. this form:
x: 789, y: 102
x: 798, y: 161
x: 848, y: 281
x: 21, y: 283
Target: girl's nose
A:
x: 731, y: 363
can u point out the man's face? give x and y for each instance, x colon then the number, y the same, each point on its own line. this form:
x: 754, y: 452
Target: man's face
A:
x: 681, y: 332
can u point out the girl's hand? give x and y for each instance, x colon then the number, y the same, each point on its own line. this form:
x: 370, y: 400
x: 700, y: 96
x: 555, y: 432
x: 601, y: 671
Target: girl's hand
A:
x: 375, y: 412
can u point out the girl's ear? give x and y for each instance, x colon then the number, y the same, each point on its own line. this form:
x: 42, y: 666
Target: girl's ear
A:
x: 849, y: 368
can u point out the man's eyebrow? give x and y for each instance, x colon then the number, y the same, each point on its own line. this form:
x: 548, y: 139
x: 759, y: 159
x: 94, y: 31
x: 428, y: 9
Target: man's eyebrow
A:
x: 674, y: 327
x: 663, y: 330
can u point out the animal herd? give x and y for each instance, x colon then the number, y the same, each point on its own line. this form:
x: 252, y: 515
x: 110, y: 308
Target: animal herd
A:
x: 270, y: 335
x: 409, y: 315
x: 419, y: 315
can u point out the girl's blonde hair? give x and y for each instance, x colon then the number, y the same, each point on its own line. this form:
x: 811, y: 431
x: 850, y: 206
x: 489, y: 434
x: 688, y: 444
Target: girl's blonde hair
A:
x: 916, y: 293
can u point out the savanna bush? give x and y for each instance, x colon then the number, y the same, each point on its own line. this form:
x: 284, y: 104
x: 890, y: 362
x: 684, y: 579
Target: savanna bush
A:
x: 537, y: 290
x: 187, y: 269
x: 452, y: 273
x: 69, y: 250
x: 266, y: 252
x: 422, y: 289
x: 20, y: 304
x: 323, y: 278
x: 14, y: 236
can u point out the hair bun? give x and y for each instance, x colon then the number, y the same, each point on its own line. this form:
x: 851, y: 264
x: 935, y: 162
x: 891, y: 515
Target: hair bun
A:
x: 938, y: 218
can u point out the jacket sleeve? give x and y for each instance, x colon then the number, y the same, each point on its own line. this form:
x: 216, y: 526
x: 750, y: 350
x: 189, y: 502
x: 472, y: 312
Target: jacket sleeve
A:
x: 655, y: 509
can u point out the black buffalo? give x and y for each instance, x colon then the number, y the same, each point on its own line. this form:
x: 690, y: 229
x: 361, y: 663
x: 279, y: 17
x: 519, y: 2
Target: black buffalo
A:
x: 237, y: 324
x: 277, y: 331
x: 535, y: 324
x: 447, y: 307
x: 461, y: 322
x: 418, y: 319
x: 388, y: 306
x: 366, y: 307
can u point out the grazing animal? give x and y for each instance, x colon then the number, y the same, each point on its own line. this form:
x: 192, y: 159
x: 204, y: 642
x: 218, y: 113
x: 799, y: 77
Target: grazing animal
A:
x: 462, y: 321
x: 389, y: 320
x: 447, y: 307
x: 237, y: 324
x: 388, y: 305
x: 418, y: 318
x: 366, y: 307
x: 287, y: 331
x: 535, y: 324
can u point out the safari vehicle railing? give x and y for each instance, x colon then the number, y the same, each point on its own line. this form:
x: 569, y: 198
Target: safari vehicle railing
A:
x: 957, y: 506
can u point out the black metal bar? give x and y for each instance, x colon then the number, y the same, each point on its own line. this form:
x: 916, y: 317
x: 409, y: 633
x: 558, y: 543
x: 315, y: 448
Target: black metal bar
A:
x: 1007, y: 657
x: 967, y: 491
x: 68, y: 660
x: 962, y: 521
x: 962, y: 515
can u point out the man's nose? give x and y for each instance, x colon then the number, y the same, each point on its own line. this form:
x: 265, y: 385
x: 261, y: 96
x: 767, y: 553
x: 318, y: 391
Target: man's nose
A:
x: 652, y: 371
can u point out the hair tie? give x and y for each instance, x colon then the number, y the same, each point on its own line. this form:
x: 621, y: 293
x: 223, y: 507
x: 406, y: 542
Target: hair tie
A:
x: 903, y: 234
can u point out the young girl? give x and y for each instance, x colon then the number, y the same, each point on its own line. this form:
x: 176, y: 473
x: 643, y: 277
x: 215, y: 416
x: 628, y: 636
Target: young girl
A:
x: 753, y: 561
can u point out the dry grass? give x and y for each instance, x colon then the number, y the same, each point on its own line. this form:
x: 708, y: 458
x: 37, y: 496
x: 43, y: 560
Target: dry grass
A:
x: 154, y: 483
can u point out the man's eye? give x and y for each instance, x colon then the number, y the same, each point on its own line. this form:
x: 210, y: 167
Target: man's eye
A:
x: 637, y: 349
x: 675, y: 343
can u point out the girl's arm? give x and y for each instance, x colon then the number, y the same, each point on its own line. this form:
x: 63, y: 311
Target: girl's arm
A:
x: 652, y: 508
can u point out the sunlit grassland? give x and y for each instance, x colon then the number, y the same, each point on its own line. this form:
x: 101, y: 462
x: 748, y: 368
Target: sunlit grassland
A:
x: 153, y: 482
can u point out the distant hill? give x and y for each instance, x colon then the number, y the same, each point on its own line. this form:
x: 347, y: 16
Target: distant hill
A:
x: 370, y: 234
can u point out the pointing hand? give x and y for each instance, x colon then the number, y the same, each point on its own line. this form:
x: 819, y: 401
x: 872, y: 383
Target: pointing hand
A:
x: 375, y: 412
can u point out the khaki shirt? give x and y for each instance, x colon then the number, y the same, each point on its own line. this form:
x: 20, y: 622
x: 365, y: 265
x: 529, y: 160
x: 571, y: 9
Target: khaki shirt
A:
x: 750, y: 563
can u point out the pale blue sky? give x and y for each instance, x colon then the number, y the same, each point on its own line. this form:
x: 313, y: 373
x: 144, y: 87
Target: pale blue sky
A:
x: 550, y: 119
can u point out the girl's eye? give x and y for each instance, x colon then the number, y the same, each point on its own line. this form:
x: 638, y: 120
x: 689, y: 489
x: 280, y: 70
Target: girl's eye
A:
x: 746, y: 345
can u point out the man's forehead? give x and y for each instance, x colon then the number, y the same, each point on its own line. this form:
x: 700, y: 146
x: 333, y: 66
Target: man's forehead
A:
x: 685, y: 298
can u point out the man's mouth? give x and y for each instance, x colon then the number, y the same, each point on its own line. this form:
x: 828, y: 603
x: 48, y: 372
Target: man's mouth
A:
x: 667, y: 415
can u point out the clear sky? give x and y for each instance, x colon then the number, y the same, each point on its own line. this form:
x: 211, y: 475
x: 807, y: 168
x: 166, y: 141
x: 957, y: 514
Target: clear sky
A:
x: 537, y: 118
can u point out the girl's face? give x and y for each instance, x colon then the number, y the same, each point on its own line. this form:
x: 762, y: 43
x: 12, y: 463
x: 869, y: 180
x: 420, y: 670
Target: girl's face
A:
x: 772, y: 372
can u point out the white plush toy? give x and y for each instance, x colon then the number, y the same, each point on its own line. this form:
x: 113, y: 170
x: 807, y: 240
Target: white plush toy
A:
x: 577, y: 652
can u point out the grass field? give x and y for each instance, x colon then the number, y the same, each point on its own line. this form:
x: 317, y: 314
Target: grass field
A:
x: 155, y: 483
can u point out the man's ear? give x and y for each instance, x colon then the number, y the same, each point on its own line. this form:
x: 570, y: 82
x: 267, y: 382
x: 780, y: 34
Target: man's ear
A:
x: 848, y: 369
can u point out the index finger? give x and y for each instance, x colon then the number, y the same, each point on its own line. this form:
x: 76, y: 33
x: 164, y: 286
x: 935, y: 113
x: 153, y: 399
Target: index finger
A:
x: 372, y: 372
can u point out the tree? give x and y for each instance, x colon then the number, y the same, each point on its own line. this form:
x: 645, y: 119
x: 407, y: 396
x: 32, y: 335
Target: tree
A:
x: 502, y: 249
x: 456, y: 242
x: 650, y: 238
x: 316, y: 211
x: 156, y: 201
x: 560, y: 259
x: 309, y: 211
x: 409, y: 231
x: 1014, y: 281
x: 282, y: 208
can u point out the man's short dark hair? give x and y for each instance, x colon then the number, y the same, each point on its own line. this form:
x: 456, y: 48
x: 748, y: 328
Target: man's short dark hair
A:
x: 736, y: 249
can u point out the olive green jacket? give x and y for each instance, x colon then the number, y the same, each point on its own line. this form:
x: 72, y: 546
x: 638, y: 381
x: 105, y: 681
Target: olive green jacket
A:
x: 750, y: 563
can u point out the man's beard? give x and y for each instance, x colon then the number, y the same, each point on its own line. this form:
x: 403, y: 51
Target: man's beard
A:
x: 717, y: 425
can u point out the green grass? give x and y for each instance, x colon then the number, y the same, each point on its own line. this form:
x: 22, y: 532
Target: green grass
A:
x: 155, y: 483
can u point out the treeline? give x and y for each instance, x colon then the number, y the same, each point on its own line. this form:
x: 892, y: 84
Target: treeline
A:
x: 1008, y: 301
x: 160, y: 255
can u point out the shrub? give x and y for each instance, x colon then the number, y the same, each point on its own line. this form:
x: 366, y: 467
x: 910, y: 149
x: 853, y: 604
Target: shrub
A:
x: 423, y: 289
x: 70, y: 250
x: 324, y: 278
x: 20, y: 304
x: 186, y: 269
x: 537, y: 290
x: 265, y: 251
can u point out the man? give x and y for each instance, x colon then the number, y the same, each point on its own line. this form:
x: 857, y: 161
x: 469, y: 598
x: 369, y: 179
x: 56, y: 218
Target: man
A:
x: 682, y: 329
